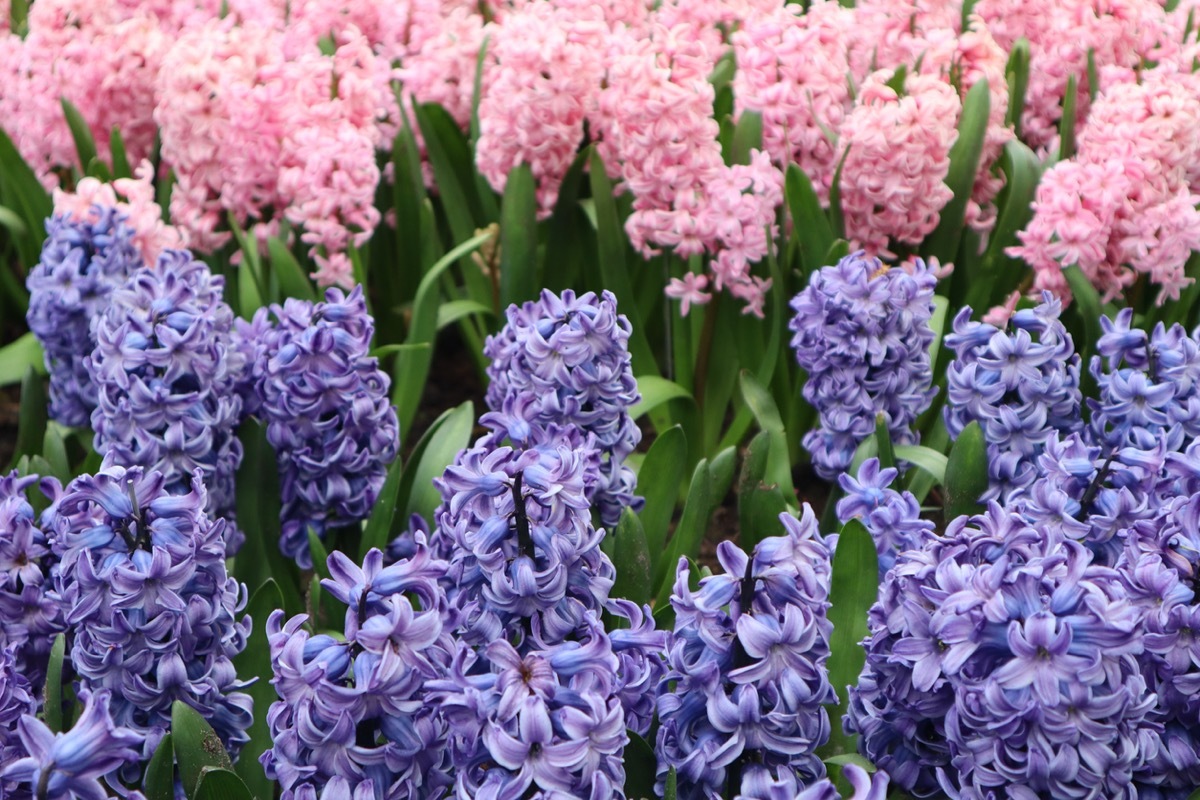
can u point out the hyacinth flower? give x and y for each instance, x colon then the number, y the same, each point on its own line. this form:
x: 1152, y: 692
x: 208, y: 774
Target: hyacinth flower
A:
x: 564, y: 360
x: 83, y: 261
x: 892, y: 518
x: 760, y: 784
x: 151, y: 608
x: 747, y: 679
x: 544, y: 722
x: 1021, y: 384
x: 165, y: 368
x: 74, y: 765
x: 1002, y: 662
x: 862, y: 334
x: 30, y: 617
x: 16, y: 701
x: 354, y: 714
x: 325, y: 402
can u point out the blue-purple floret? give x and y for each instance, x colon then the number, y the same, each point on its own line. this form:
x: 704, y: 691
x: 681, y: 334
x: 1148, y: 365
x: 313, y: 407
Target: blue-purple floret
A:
x: 760, y: 784
x: 544, y: 722
x: 81, y: 764
x: 564, y: 360
x: 747, y: 680
x: 30, y: 617
x: 154, y: 614
x: 862, y: 334
x: 16, y: 700
x: 354, y: 714
x: 1003, y: 662
x: 1021, y: 384
x: 892, y: 518
x: 81, y: 264
x: 328, y: 413
x: 165, y: 368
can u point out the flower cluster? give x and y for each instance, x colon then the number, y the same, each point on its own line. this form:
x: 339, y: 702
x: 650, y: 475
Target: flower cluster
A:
x: 1021, y: 384
x: 892, y: 518
x: 152, y: 611
x: 16, y: 700
x: 80, y: 763
x: 862, y: 334
x: 354, y: 712
x: 564, y: 360
x: 165, y: 367
x: 747, y: 677
x: 325, y: 402
x: 543, y: 722
x: 84, y: 258
x: 134, y: 202
x: 760, y: 784
x: 29, y: 617
x: 1001, y: 659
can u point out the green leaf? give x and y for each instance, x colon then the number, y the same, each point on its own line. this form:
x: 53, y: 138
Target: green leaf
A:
x: 655, y: 392
x: 18, y: 16
x: 255, y: 662
x: 120, y: 161
x: 85, y: 145
x: 659, y: 477
x: 159, y: 780
x: 52, y: 708
x: 937, y: 324
x: 449, y: 434
x: 631, y: 558
x: 759, y: 504
x: 1022, y: 170
x: 391, y: 349
x: 671, y: 789
x: 964, y: 165
x: 1087, y: 301
x: 518, y: 238
x: 379, y: 525
x: 612, y: 243
x: 766, y: 413
x: 966, y: 473
x: 810, y: 226
x: 320, y: 554
x: 836, y: 220
x: 292, y: 280
x: 852, y: 589
x: 930, y: 461
x: 689, y: 533
x: 454, y: 310
x: 898, y: 79
x: 18, y: 357
x: 221, y: 784
x: 850, y: 758
x: 12, y: 220
x: 250, y: 284
x: 54, y: 450
x: 1194, y: 795
x: 31, y: 422
x: 196, y: 746
x: 24, y: 193
x: 883, y: 443
x: 1066, y: 126
x: 747, y: 136
x: 640, y: 766
x: 1017, y: 72
x: 1093, y: 74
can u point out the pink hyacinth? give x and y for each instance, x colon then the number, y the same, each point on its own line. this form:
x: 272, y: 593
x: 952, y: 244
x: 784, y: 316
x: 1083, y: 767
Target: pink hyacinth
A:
x: 440, y: 66
x: 897, y: 155
x: 543, y: 74
x: 1126, y: 204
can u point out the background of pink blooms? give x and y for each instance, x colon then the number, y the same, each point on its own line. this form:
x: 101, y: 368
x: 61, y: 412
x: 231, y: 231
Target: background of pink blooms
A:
x: 278, y: 123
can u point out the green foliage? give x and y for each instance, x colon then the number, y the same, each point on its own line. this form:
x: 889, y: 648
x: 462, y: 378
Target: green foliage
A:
x: 197, y: 747
x: 966, y: 473
x: 254, y: 663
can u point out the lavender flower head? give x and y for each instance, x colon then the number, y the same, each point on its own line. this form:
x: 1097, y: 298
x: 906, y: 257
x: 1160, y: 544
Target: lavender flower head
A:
x: 541, y: 723
x: 165, y: 369
x: 152, y: 611
x: 565, y: 360
x: 328, y: 415
x: 1004, y: 663
x: 16, y: 700
x: 30, y: 617
x: 862, y: 334
x: 1021, y: 384
x: 760, y: 784
x: 82, y: 263
x: 747, y: 680
x: 81, y: 763
x: 354, y: 714
x: 892, y: 518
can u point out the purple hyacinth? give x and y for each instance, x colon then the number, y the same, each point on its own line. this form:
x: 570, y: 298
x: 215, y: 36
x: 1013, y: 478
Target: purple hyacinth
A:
x: 16, y: 700
x: 81, y: 264
x: 747, y: 677
x: 79, y: 764
x: 892, y: 518
x: 30, y: 617
x: 165, y: 369
x: 541, y: 723
x: 862, y: 334
x: 1021, y: 384
x: 1148, y: 386
x: 565, y: 360
x: 1004, y: 663
x: 328, y: 415
x: 152, y: 611
x: 353, y: 714
x: 760, y: 784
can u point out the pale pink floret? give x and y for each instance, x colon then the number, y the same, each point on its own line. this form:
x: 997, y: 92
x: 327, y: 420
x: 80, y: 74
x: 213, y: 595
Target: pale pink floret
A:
x: 689, y: 291
x: 897, y: 156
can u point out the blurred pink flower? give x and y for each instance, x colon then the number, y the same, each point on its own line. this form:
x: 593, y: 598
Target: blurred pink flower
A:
x: 689, y: 291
